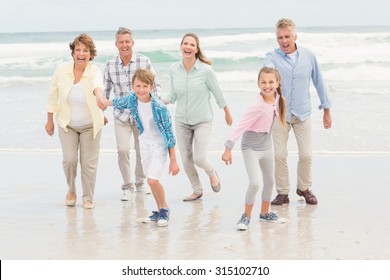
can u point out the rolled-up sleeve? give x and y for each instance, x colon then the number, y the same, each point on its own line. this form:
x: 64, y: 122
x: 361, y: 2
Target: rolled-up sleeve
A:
x: 121, y: 103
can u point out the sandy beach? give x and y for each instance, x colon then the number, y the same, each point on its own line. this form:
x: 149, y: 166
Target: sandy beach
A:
x: 349, y: 223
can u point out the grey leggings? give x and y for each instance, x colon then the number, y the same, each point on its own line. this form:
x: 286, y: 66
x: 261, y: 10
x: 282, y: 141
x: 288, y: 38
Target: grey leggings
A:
x: 254, y: 162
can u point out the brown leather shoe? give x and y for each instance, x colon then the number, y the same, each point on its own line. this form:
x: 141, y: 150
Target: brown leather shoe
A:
x: 308, y: 195
x: 280, y: 199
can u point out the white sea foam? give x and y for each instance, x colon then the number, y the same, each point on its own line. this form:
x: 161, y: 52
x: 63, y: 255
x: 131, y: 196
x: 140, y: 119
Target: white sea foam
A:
x: 355, y: 66
x: 359, y: 72
x: 5, y: 81
x: 237, y: 76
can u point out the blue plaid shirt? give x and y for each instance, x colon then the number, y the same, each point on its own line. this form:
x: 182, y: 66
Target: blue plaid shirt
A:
x: 161, y: 115
x: 296, y: 78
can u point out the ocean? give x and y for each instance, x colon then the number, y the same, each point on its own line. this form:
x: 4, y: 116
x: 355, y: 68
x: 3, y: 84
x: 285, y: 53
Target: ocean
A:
x: 355, y: 63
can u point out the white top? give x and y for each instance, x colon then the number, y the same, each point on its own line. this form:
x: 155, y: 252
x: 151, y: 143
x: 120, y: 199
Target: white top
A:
x: 80, y: 114
x: 293, y: 56
x: 151, y: 134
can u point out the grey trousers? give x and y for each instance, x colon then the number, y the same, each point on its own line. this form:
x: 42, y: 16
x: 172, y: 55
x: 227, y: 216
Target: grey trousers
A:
x: 193, y: 142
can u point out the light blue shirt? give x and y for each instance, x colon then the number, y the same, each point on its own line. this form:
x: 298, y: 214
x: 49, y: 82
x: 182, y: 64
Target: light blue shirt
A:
x: 192, y: 91
x: 296, y: 78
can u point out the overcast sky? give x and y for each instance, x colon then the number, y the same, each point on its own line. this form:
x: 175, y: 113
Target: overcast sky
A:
x: 91, y: 15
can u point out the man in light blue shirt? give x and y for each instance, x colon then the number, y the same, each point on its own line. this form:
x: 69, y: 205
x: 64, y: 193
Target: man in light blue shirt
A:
x: 298, y: 67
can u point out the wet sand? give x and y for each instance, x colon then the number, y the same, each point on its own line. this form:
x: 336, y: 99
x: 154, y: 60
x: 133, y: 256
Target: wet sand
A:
x: 351, y: 221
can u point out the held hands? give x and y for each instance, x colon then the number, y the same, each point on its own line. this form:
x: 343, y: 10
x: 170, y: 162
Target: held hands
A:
x: 101, y: 101
x: 227, y: 157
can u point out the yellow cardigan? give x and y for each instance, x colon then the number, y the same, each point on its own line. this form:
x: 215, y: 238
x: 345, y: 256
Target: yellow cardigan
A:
x: 61, y: 84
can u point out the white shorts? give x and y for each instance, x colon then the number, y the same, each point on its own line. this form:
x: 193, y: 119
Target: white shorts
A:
x: 154, y: 159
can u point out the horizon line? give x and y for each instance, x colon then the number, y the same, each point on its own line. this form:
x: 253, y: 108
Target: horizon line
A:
x: 197, y: 28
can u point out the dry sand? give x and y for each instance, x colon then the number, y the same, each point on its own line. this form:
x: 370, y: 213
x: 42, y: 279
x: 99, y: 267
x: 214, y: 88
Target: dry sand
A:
x: 351, y: 221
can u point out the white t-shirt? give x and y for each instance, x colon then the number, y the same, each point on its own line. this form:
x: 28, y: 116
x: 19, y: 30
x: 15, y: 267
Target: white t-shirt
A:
x: 293, y: 56
x: 80, y: 114
x: 151, y: 133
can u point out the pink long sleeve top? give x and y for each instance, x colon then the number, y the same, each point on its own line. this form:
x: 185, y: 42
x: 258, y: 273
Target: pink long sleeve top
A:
x: 257, y: 118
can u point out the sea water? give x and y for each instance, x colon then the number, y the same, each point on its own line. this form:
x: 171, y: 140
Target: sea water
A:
x: 355, y: 63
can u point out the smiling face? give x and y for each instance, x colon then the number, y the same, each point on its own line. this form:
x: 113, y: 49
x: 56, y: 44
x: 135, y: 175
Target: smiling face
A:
x: 286, y: 39
x: 142, y: 90
x: 81, y: 54
x: 124, y: 43
x: 268, y: 83
x: 189, y: 47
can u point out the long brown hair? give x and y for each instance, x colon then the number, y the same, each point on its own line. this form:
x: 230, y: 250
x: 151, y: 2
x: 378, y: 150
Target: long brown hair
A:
x: 282, y: 103
x: 199, y: 55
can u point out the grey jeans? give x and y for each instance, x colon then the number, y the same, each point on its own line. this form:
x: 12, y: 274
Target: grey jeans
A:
x: 193, y: 142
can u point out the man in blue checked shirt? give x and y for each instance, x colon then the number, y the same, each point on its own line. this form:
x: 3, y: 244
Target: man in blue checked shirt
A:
x: 297, y: 66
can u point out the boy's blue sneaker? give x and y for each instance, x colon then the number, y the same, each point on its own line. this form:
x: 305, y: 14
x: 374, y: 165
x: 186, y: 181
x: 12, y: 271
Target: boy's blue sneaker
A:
x: 243, y: 223
x: 271, y: 217
x: 152, y: 218
x: 163, y: 217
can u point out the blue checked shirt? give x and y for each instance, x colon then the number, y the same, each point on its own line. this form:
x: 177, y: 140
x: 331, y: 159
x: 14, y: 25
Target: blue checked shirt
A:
x: 161, y: 115
x: 118, y: 79
x: 296, y: 78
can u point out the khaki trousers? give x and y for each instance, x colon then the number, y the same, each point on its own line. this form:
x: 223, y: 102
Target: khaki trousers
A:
x: 302, y: 132
x: 75, y: 140
x: 123, y: 132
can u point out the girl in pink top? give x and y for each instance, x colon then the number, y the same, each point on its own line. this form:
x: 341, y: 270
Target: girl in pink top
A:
x: 256, y: 144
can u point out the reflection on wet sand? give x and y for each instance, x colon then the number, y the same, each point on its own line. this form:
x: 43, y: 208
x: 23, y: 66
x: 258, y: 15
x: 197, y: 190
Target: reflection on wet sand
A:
x: 275, y: 237
x: 82, y: 237
x: 90, y: 234
x: 41, y: 227
x: 305, y: 236
x: 72, y: 234
x: 192, y: 228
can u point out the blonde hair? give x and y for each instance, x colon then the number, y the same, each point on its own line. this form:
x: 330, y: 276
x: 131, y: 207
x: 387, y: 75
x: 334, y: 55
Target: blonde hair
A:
x: 286, y: 22
x: 282, y: 103
x: 200, y: 55
x: 143, y: 75
x: 86, y: 40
